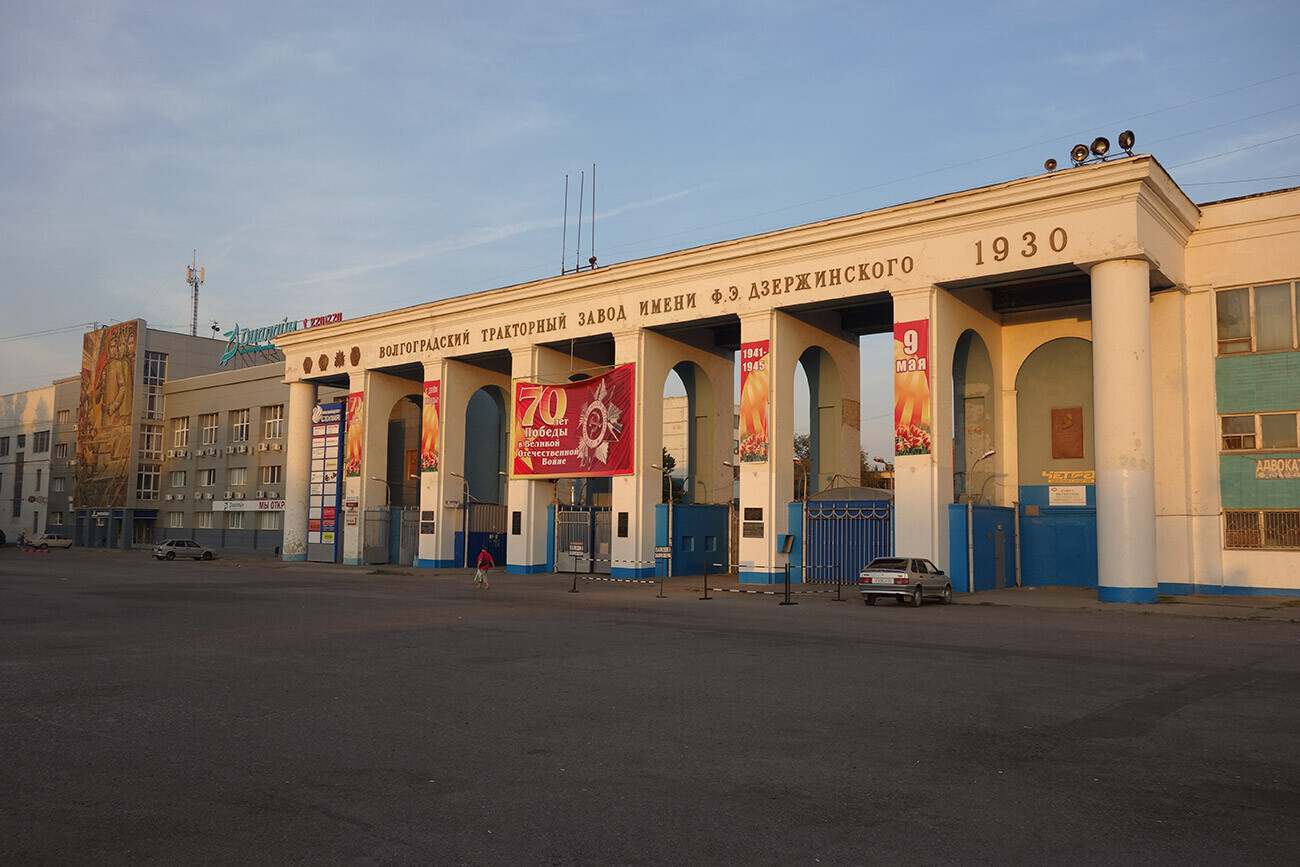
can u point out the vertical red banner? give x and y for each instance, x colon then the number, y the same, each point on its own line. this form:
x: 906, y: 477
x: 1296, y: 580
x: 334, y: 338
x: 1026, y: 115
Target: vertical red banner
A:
x: 755, y: 390
x: 356, y: 417
x: 429, y: 423
x: 912, y: 387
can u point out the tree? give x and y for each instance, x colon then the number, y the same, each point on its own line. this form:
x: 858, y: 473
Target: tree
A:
x: 674, y: 490
x: 802, y: 465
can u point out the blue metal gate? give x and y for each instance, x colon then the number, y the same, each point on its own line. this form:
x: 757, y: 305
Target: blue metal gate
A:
x: 841, y: 537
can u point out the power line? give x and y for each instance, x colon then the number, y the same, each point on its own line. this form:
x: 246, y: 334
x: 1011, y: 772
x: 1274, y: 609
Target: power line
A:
x: 59, y: 330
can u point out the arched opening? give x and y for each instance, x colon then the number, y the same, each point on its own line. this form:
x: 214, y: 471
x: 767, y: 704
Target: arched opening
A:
x: 483, y: 516
x: 688, y: 459
x: 974, y: 421
x: 819, y: 444
x: 1054, y: 459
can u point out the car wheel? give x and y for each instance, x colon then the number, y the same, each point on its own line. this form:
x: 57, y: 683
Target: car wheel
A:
x: 869, y: 600
x: 170, y: 555
x: 916, y: 597
x: 947, y: 594
x: 207, y: 555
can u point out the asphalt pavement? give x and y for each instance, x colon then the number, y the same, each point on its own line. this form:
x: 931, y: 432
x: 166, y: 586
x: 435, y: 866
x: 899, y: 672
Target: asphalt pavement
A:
x: 250, y: 711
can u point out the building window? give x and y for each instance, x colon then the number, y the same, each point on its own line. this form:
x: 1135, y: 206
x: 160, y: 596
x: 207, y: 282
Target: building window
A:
x: 178, y: 478
x: 56, y: 518
x: 58, y: 484
x: 155, y: 374
x: 151, y: 441
x: 269, y: 520
x: 203, y: 520
x: 1257, y: 318
x: 1260, y: 431
x: 209, y: 424
x: 234, y: 520
x: 61, y: 451
x: 38, y: 479
x: 272, y: 475
x: 176, y: 519
x: 147, y: 481
x: 22, y: 440
x: 1262, y: 528
x: 236, y: 476
x: 239, y: 426
x: 180, y: 432
x: 4, y: 446
x: 41, y: 441
x: 63, y: 416
x: 207, y: 477
x: 272, y: 422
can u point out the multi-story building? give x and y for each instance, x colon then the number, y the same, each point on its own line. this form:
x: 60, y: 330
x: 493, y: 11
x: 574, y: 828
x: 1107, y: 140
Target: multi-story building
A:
x: 119, y: 423
x: 26, y: 426
x: 223, y: 458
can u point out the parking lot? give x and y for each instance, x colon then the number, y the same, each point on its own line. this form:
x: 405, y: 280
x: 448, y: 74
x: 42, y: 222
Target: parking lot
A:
x: 258, y: 712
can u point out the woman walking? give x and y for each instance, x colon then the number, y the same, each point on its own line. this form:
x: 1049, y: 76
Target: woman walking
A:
x: 485, y: 563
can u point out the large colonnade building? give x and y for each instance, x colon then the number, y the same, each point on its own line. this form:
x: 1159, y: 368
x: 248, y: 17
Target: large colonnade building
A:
x: 1116, y: 347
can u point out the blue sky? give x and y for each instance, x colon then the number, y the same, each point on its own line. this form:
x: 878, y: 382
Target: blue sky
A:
x: 363, y: 157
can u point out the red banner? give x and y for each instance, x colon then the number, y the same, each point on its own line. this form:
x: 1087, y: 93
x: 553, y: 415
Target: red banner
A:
x: 575, y: 429
x: 755, y: 389
x: 429, y: 428
x: 912, y: 387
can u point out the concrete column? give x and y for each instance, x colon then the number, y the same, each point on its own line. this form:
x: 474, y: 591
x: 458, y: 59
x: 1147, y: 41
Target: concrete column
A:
x: 527, y: 552
x: 297, y: 469
x: 1124, y: 431
x: 920, y: 523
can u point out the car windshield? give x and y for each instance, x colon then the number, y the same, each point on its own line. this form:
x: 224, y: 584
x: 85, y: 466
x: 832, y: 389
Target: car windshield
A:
x: 888, y: 563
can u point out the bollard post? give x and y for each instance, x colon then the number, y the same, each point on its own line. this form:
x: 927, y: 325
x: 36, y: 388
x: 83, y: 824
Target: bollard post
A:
x: 706, y: 581
x: 839, y: 583
x: 575, y: 576
x: 787, y: 586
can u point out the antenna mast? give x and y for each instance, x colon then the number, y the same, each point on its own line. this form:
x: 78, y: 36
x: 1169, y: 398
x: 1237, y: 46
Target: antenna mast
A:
x: 592, y: 260
x: 564, y: 236
x: 577, y: 251
x: 194, y: 277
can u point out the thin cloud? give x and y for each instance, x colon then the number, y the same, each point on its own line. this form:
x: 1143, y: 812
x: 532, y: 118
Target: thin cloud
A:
x: 468, y: 240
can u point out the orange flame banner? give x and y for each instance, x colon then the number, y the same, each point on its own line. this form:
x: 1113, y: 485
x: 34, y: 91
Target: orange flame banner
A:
x: 912, y: 387
x: 755, y: 390
x: 429, y: 428
x: 352, y: 461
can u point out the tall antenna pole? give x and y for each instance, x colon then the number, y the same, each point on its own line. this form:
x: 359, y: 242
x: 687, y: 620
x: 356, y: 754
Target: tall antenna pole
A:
x: 194, y: 277
x: 592, y: 260
x: 564, y: 235
x: 577, y: 264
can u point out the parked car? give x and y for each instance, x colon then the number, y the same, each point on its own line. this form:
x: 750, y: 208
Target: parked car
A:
x: 170, y: 549
x: 907, y: 579
x: 50, y: 540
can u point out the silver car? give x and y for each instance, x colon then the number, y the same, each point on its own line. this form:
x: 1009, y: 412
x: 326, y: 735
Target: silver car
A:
x: 170, y: 549
x: 906, y: 579
x: 50, y: 540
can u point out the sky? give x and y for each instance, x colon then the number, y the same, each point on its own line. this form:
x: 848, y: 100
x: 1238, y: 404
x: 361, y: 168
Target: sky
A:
x: 362, y: 157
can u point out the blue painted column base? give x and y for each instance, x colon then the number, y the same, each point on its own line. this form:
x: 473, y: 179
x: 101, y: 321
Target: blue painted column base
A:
x: 1144, y: 595
x: 523, y: 569
x: 294, y: 558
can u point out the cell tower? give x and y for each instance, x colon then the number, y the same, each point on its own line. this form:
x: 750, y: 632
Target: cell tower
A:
x: 194, y: 277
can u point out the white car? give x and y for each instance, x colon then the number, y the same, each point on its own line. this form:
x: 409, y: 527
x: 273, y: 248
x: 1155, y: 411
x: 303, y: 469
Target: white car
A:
x: 50, y: 540
x: 906, y: 579
x: 170, y: 549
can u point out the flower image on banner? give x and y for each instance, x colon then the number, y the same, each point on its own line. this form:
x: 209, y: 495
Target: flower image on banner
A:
x: 912, y: 387
x: 429, y: 428
x: 352, y: 461
x: 755, y: 389
x: 575, y: 429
